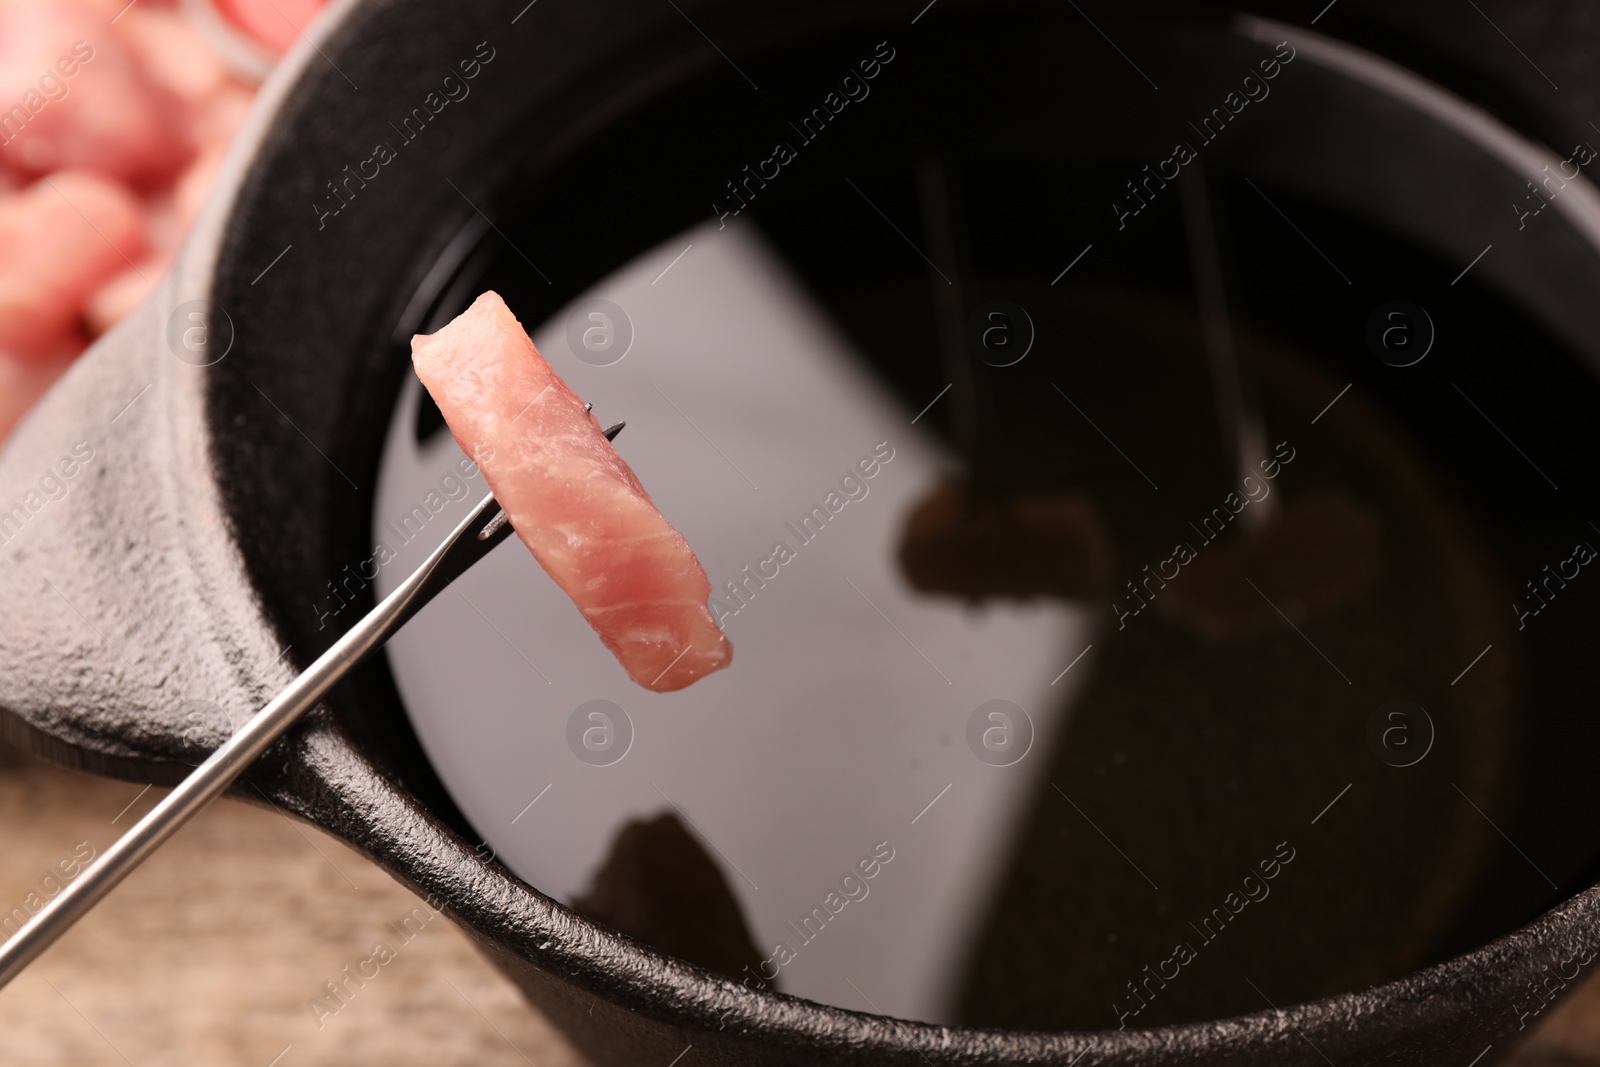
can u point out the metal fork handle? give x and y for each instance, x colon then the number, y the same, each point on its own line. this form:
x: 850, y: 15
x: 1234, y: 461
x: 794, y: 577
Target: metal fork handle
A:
x: 453, y: 558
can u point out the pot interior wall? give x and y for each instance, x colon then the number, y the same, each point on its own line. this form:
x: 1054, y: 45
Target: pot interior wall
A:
x: 1192, y: 761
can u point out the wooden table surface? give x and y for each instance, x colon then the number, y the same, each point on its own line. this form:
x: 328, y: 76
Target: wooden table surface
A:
x: 212, y: 952
x: 209, y: 953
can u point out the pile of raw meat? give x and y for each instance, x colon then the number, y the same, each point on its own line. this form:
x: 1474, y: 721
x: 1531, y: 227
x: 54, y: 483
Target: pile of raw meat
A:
x: 113, y: 119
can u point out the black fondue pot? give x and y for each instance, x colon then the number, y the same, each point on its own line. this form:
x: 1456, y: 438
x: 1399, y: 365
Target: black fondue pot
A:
x: 1105, y: 261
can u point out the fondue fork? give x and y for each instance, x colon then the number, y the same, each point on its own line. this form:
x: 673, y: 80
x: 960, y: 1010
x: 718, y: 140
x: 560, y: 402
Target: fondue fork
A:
x: 1235, y: 388
x: 478, y: 534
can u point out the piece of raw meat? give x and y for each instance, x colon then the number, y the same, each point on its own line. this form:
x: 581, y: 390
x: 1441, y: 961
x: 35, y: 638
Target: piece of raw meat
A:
x: 60, y: 240
x: 171, y: 53
x: 571, y: 498
x: 278, y: 24
x: 74, y: 96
